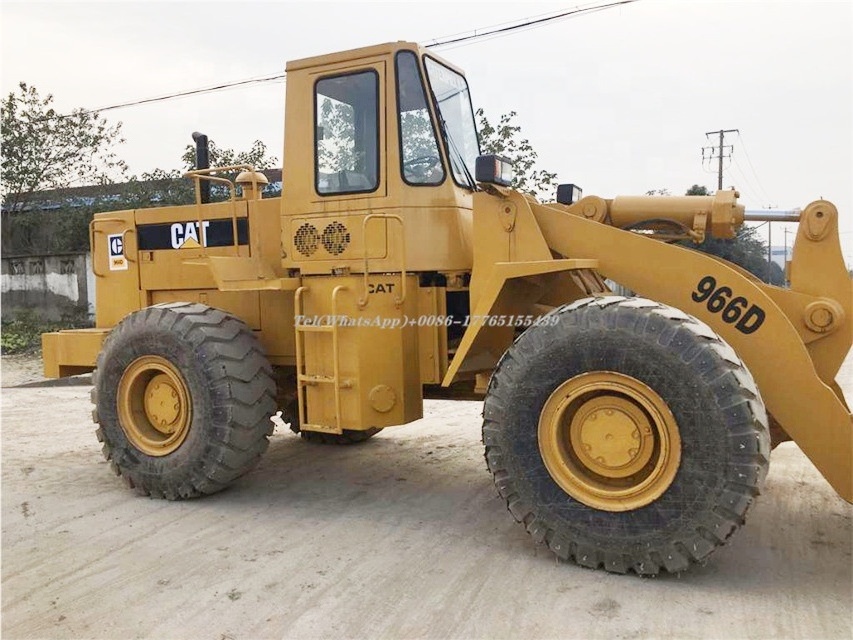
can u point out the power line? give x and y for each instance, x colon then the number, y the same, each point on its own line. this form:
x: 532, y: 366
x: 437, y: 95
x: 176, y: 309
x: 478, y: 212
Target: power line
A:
x: 747, y: 181
x: 528, y: 23
x: 757, y: 179
x: 744, y: 186
x: 491, y: 26
x: 181, y: 94
x: 499, y: 31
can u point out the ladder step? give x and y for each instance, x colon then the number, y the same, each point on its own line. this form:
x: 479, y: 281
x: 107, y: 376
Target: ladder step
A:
x: 309, y: 379
x: 322, y: 428
x: 315, y: 328
x: 306, y: 379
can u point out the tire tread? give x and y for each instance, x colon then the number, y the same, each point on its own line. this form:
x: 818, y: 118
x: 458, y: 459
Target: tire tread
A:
x: 738, y: 493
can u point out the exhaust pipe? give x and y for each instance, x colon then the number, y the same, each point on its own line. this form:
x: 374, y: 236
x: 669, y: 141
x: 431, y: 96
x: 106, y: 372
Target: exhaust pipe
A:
x: 202, y: 161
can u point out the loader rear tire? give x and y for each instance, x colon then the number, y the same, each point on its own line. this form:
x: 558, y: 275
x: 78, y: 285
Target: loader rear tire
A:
x: 625, y: 435
x: 183, y: 396
x: 289, y: 405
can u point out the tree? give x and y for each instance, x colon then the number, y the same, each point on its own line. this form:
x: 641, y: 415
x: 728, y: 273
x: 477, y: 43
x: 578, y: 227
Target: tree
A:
x: 505, y: 140
x: 168, y: 187
x: 256, y: 156
x: 43, y: 149
x: 746, y: 249
x: 57, y: 221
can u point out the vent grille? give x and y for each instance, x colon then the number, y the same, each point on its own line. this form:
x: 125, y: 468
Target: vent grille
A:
x: 336, y: 238
x: 307, y: 239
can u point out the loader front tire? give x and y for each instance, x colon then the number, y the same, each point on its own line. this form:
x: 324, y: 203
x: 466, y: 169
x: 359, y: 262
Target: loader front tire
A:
x: 625, y: 435
x: 183, y: 396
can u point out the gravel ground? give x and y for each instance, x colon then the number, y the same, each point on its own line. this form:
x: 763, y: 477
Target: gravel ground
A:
x: 403, y: 537
x: 20, y: 369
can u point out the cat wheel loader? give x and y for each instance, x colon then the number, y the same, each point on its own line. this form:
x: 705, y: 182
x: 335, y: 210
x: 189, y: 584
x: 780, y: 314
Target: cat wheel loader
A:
x: 629, y: 433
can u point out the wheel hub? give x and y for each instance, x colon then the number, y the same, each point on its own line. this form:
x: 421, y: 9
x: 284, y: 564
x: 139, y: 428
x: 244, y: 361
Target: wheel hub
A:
x: 609, y: 441
x: 611, y: 436
x: 162, y: 407
x: 154, y: 405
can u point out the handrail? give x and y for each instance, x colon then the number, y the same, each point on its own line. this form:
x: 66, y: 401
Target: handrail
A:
x: 336, y: 365
x: 93, y: 231
x: 197, y: 175
x: 124, y: 243
x: 398, y: 301
x: 297, y: 309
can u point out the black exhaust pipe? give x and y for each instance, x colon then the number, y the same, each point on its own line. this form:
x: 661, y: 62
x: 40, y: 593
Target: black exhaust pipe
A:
x: 202, y: 161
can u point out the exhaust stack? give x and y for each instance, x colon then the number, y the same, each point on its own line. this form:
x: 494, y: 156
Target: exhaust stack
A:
x: 202, y: 161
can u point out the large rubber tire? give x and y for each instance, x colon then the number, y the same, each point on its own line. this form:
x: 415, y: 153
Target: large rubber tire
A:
x: 217, y: 361
x: 289, y: 405
x: 721, y: 423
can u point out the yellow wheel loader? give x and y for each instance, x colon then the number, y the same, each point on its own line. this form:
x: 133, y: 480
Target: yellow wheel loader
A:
x: 625, y: 433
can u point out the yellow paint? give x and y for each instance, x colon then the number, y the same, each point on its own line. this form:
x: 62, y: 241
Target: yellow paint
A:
x: 154, y: 405
x: 609, y: 441
x: 442, y: 249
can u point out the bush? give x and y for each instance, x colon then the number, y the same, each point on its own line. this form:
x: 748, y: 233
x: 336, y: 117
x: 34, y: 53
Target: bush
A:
x: 23, y: 334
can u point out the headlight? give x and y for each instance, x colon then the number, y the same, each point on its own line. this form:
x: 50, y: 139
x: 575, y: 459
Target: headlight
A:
x: 494, y: 170
x: 568, y: 193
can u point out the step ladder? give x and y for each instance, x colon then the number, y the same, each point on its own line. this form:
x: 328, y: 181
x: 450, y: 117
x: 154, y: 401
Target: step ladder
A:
x: 305, y: 379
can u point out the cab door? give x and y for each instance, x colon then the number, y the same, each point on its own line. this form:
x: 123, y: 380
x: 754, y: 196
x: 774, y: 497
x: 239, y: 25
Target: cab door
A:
x: 347, y: 178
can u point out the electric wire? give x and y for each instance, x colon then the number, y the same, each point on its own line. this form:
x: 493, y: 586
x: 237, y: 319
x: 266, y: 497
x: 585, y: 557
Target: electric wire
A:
x: 172, y: 96
x: 529, y: 23
x: 745, y: 187
x: 746, y: 181
x: 752, y: 168
x: 491, y: 26
x: 492, y: 32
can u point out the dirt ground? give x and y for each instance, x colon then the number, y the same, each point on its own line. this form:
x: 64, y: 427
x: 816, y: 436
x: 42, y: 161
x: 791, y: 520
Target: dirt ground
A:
x: 402, y: 537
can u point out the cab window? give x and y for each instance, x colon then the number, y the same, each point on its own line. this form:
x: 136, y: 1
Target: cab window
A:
x: 419, y: 157
x: 347, y: 133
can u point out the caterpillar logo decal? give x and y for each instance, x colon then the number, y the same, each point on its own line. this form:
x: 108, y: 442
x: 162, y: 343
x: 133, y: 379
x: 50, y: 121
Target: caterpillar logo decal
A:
x: 118, y: 261
x: 188, y: 235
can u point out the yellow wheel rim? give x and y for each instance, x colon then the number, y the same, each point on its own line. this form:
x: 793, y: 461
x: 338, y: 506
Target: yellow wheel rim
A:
x: 609, y: 441
x: 154, y: 405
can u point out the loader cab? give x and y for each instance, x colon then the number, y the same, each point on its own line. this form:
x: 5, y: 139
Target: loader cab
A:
x: 379, y: 159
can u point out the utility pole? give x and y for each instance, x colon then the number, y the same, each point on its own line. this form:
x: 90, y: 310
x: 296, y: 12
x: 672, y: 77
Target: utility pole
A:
x: 769, y: 250
x: 785, y: 268
x: 720, y: 152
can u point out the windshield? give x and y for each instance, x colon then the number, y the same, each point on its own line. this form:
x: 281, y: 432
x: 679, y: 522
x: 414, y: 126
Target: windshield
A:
x: 453, y: 99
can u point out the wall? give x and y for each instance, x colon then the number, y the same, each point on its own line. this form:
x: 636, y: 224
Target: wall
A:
x: 51, y: 286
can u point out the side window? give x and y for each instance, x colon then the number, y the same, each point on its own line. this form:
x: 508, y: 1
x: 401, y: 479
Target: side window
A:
x: 419, y: 156
x: 347, y: 133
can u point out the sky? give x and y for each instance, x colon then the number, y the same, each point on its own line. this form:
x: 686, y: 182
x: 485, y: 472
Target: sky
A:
x: 618, y: 101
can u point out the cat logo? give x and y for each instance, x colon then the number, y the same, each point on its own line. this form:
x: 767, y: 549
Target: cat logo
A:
x: 115, y: 242
x: 185, y: 235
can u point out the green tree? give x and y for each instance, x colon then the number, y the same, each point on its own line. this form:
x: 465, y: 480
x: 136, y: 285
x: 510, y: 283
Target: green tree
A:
x: 505, y: 139
x: 43, y: 149
x: 257, y: 156
x: 168, y: 187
